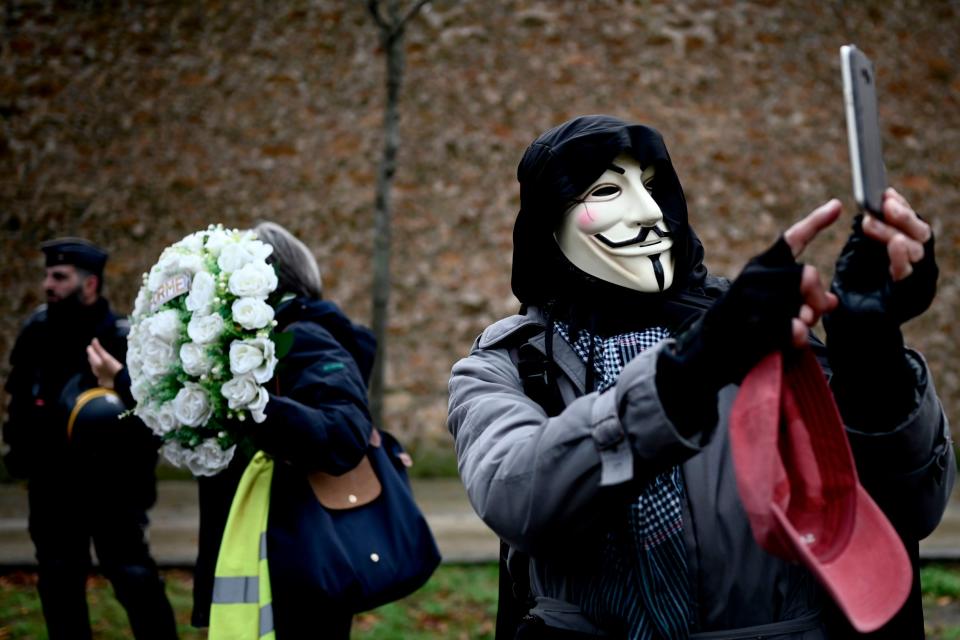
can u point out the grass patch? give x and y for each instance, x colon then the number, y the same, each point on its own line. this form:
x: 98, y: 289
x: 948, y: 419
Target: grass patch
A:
x: 431, y: 460
x: 459, y: 601
x: 941, y: 600
x: 22, y: 618
x: 940, y: 581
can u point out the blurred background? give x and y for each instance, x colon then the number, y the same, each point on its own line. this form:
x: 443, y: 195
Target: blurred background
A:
x: 136, y: 123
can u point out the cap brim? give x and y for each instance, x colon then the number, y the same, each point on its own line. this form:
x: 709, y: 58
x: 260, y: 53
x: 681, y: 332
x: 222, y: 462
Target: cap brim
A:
x: 871, y: 577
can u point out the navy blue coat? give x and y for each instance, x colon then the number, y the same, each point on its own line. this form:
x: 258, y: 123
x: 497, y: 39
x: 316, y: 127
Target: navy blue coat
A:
x: 317, y: 419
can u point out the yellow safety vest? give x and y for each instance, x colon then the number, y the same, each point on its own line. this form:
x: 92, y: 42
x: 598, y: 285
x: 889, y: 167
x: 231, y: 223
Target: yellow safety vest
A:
x: 242, y: 604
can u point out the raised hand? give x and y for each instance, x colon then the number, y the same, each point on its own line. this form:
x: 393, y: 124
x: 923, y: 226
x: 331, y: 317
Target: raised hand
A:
x: 103, y: 365
x: 771, y: 305
x: 816, y: 299
x: 886, y: 274
x: 887, y: 270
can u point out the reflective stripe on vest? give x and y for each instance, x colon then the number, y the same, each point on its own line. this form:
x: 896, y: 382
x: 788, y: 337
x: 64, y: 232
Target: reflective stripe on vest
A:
x: 241, y: 608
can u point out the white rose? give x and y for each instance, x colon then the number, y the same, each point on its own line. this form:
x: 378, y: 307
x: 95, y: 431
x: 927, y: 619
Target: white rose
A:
x: 235, y: 255
x: 189, y: 263
x: 167, y: 418
x: 251, y: 313
x: 240, y: 391
x: 140, y: 391
x: 160, y: 418
x: 155, y: 278
x: 256, y: 356
x: 257, y: 406
x: 193, y: 243
x: 217, y: 239
x: 175, y: 453
x: 134, y: 360
x: 148, y: 414
x: 164, y: 326
x: 208, y: 458
x: 142, y: 303
x: 204, y: 329
x: 203, y: 290
x: 158, y: 356
x: 158, y: 272
x: 244, y: 357
x: 253, y: 280
x: 192, y: 406
x: 264, y: 372
x: 134, y: 336
x: 195, y: 359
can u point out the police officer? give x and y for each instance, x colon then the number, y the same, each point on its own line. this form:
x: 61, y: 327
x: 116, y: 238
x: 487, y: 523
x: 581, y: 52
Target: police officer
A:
x: 95, y: 480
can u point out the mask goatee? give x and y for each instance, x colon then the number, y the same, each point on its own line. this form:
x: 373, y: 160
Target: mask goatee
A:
x: 657, y: 270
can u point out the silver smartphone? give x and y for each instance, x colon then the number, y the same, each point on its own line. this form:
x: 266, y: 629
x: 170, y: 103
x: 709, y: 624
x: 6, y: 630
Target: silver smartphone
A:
x: 863, y: 129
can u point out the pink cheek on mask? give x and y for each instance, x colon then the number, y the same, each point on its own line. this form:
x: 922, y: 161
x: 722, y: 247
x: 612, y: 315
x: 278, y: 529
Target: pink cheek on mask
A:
x: 585, y: 219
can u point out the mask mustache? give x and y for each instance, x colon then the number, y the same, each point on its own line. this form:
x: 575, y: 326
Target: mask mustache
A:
x: 640, y: 237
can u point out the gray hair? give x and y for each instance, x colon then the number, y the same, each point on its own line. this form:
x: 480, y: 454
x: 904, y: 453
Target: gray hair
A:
x: 296, y: 267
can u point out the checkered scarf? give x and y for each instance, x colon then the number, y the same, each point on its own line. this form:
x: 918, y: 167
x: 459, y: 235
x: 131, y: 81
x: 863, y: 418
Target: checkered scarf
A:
x: 642, y: 588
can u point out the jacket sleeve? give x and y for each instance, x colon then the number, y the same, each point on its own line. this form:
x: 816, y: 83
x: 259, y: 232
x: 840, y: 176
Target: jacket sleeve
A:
x: 910, y: 469
x: 319, y: 420
x: 122, y: 385
x: 533, y: 478
x: 22, y: 410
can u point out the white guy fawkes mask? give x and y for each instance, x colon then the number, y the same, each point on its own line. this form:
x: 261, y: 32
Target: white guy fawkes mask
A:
x: 616, y: 231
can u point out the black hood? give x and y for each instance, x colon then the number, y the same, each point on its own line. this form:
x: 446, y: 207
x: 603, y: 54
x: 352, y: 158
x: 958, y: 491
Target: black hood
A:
x: 356, y: 339
x: 556, y: 168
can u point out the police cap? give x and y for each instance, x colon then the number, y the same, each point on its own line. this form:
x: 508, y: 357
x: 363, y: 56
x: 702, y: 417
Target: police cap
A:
x: 78, y: 252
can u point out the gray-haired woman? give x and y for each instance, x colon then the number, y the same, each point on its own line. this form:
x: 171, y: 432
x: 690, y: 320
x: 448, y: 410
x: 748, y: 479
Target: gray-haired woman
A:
x: 316, y: 420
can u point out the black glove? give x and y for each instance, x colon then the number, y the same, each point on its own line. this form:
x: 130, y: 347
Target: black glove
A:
x: 873, y: 382
x: 752, y: 319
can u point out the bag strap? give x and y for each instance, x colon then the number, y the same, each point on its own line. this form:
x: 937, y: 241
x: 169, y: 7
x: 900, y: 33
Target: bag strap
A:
x: 539, y: 378
x: 514, y: 596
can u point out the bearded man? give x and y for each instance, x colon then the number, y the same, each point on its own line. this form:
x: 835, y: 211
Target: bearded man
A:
x: 90, y: 475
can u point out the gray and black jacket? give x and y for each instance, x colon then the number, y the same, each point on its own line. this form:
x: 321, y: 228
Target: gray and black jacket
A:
x: 537, y: 482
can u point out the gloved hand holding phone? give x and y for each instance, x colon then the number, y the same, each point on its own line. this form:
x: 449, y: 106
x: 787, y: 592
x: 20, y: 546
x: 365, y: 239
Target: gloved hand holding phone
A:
x: 886, y: 275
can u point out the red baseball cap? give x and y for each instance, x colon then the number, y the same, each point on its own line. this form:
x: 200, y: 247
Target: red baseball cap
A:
x: 798, y: 484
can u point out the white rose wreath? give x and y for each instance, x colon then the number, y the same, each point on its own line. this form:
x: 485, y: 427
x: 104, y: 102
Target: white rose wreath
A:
x: 202, y: 345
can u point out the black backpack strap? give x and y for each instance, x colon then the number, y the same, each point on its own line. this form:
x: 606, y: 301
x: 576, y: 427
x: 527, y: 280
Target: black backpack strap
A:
x: 514, y: 599
x: 539, y: 378
x: 538, y: 374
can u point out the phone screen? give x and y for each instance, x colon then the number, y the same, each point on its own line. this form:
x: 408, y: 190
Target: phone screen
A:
x: 863, y: 129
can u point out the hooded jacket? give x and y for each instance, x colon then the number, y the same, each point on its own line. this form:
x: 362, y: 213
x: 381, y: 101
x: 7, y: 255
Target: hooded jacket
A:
x: 555, y: 169
x: 316, y: 420
x: 535, y: 479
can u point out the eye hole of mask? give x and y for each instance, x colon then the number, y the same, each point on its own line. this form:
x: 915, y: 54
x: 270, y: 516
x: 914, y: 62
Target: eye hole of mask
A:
x: 605, y: 191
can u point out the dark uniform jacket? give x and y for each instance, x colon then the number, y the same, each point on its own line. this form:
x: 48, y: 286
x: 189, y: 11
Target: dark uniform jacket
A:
x: 49, y: 370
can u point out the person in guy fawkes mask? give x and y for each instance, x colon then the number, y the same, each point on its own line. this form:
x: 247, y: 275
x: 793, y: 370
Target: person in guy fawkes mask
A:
x: 90, y: 474
x: 591, y: 429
